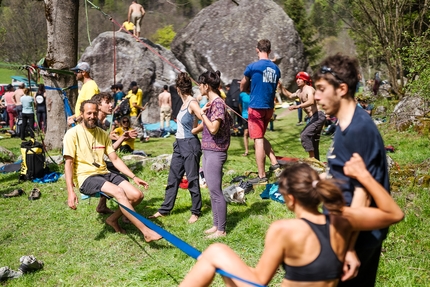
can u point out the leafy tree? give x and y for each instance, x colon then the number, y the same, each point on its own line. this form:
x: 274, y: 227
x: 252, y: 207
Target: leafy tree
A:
x: 296, y: 10
x: 381, y: 24
x: 323, y: 17
x: 164, y: 36
x: 205, y: 3
x: 417, y: 58
x: 23, y: 26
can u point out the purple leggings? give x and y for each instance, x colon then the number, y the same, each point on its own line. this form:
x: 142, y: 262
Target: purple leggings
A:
x: 212, y: 168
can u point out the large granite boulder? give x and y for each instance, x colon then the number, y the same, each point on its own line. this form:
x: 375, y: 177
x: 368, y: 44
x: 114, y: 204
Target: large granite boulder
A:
x: 409, y: 111
x: 223, y: 37
x: 134, y: 62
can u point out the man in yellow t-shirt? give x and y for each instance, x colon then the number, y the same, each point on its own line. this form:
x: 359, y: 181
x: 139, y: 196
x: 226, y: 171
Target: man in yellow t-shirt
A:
x: 128, y: 26
x: 135, y: 96
x: 88, y: 90
x: 83, y: 149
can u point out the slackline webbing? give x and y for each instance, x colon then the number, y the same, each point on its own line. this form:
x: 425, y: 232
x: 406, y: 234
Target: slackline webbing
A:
x: 177, y: 242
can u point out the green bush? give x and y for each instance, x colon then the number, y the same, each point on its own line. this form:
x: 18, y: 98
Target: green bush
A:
x: 164, y: 36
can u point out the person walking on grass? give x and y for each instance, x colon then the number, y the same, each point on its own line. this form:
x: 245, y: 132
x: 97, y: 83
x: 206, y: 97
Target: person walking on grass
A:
x: 311, y: 134
x: 84, y: 147
x: 27, y: 102
x: 165, y: 103
x: 243, y: 107
x: 261, y: 78
x: 336, y: 82
x: 186, y: 152
x: 311, y: 248
x: 215, y: 142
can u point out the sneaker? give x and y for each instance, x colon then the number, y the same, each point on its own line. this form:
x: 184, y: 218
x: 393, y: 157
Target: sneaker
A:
x: 299, y: 124
x: 16, y: 192
x: 29, y: 263
x: 258, y: 180
x: 34, y: 194
x: 6, y: 273
x: 276, y: 169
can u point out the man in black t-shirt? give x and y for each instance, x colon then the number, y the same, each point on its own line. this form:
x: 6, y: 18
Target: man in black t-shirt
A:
x: 336, y: 83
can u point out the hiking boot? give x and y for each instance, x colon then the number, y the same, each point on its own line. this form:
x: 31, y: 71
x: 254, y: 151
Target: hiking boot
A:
x: 276, y: 169
x: 16, y: 192
x: 34, y: 194
x: 29, y: 263
x: 258, y: 180
x: 6, y: 272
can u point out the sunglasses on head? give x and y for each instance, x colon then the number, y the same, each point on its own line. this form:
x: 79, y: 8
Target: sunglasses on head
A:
x: 325, y: 70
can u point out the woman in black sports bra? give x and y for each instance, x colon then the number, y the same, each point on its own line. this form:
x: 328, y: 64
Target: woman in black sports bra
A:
x: 311, y: 247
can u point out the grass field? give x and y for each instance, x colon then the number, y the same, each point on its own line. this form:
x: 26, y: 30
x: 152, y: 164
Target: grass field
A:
x: 6, y: 73
x: 80, y: 250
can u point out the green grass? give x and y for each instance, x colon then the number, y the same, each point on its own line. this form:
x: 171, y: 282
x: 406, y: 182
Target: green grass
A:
x: 5, y: 75
x: 80, y: 250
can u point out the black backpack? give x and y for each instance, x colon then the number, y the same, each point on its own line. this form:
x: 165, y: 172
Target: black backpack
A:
x: 123, y: 108
x: 233, y: 95
x: 33, y: 161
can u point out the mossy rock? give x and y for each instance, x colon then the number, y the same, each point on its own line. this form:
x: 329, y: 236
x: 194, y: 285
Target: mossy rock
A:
x: 423, y: 126
x: 423, y: 181
x: 6, y: 155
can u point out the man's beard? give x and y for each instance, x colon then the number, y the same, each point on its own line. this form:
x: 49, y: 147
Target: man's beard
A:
x: 90, y: 125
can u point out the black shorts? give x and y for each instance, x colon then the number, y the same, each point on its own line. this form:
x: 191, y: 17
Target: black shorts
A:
x: 245, y: 125
x: 94, y: 183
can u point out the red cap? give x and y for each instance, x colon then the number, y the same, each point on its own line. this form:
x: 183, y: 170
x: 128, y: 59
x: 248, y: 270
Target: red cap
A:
x: 305, y: 77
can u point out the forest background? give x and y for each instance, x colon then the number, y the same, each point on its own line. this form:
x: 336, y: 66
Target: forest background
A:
x: 388, y: 36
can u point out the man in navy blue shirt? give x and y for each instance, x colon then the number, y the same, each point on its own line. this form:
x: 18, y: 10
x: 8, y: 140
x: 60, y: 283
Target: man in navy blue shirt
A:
x: 262, y: 76
x: 336, y: 83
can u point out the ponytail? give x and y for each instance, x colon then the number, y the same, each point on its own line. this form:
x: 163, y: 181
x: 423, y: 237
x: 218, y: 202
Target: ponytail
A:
x: 303, y: 182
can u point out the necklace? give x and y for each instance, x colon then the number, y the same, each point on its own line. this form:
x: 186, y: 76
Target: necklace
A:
x: 92, y: 146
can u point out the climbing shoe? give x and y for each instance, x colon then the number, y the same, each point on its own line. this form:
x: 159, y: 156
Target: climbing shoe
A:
x: 16, y: 192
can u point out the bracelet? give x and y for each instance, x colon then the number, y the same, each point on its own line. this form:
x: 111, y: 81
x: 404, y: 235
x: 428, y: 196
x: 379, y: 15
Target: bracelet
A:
x: 202, y: 114
x: 133, y: 177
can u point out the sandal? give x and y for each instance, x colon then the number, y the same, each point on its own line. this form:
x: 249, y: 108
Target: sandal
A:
x: 245, y: 154
x: 34, y: 194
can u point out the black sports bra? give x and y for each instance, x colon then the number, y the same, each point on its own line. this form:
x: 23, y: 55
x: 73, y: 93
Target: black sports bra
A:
x: 325, y: 267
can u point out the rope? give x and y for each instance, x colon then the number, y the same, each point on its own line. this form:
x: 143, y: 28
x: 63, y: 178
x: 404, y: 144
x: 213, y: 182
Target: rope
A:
x: 177, y: 242
x: 114, y: 54
x: 88, y: 25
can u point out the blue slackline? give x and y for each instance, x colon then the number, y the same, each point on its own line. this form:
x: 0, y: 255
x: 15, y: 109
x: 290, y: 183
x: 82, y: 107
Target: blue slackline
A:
x: 67, y: 108
x: 177, y: 242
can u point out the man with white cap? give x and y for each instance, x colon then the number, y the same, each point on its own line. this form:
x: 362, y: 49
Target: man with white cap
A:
x: 88, y: 89
x: 310, y: 135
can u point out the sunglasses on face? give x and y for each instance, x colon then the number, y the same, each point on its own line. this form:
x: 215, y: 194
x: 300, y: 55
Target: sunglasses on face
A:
x: 325, y: 70
x: 125, y: 122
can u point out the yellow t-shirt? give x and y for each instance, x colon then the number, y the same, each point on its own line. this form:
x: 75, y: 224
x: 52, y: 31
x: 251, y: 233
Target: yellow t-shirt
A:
x: 87, y: 146
x: 89, y: 89
x: 130, y: 142
x: 129, y: 26
x: 135, y: 98
x: 223, y: 95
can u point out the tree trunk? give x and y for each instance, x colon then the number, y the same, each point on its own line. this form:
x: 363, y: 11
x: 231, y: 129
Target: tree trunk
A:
x: 62, y: 26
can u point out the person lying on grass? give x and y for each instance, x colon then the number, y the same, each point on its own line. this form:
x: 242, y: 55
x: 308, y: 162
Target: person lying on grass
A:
x: 311, y: 248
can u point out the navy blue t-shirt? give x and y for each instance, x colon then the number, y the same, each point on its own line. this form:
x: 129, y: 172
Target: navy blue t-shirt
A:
x: 362, y: 137
x: 264, y: 76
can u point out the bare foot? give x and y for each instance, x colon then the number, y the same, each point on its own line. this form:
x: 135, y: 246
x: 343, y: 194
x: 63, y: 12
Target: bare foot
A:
x: 152, y: 236
x: 114, y: 224
x: 216, y: 234
x: 104, y: 210
x: 211, y: 230
x: 193, y: 218
x: 157, y: 214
